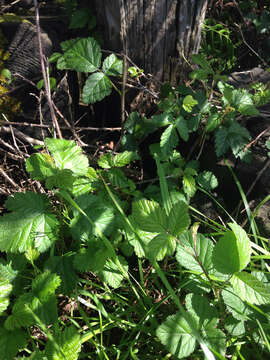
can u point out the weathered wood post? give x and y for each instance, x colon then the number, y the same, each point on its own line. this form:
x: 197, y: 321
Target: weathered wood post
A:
x: 158, y: 35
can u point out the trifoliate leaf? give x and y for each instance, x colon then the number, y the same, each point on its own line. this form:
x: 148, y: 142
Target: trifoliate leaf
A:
x: 111, y: 273
x: 232, y: 252
x: 190, y: 256
x: 11, y: 342
x: 176, y: 334
x: 207, y: 180
x: 178, y: 220
x: 112, y: 66
x: 96, y: 88
x: 169, y: 140
x: 188, y: 103
x: 149, y: 216
x: 31, y: 224
x: 68, y: 345
x: 250, y: 289
x: 84, y: 55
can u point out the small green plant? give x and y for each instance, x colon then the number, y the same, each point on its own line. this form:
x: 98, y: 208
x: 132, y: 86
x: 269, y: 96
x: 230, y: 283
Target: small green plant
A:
x: 52, y: 243
x: 84, y: 56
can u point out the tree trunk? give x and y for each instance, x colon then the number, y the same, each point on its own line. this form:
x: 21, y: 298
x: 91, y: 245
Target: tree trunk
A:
x: 158, y: 35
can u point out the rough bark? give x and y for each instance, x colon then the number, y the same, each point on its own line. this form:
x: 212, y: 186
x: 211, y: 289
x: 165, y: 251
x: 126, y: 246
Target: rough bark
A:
x: 158, y: 35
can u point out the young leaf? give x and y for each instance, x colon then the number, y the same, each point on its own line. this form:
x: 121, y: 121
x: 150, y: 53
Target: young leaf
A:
x: 96, y: 88
x: 69, y: 345
x: 232, y: 252
x: 84, y: 55
x: 178, y: 220
x: 112, y: 66
x: 188, y: 103
x: 149, y: 216
x: 190, y: 256
x: 250, y: 289
x: 11, y: 342
x: 106, y: 161
x: 30, y: 225
x: 176, y: 334
x: 169, y: 140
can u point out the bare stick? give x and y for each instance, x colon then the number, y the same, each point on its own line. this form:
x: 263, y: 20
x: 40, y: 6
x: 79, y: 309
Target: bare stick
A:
x: 45, y: 73
x: 5, y: 175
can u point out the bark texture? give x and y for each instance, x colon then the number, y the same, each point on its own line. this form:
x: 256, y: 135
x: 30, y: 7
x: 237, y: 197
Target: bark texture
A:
x: 158, y: 35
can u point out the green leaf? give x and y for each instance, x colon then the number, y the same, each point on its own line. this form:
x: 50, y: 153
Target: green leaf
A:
x: 188, y: 103
x: 176, y: 334
x: 112, y: 66
x: 7, y: 275
x: 31, y: 224
x: 207, y: 180
x: 11, y: 342
x: 102, y: 214
x: 83, y: 56
x: 221, y: 141
x: 178, y: 220
x: 216, y: 339
x: 44, y: 285
x: 106, y: 161
x: 213, y: 121
x: 181, y: 125
x: 63, y: 267
x: 232, y: 252
x: 69, y: 345
x: 189, y: 185
x: 241, y: 100
x: 235, y: 305
x: 80, y: 18
x: 124, y: 158
x: 190, y: 257
x: 199, y: 74
x: 200, y: 308
x: 93, y: 258
x: 169, y: 140
x: 234, y: 327
x: 96, y: 88
x: 67, y: 155
x: 201, y: 60
x: 250, y: 289
x: 111, y: 273
x: 160, y: 246
x: 149, y: 216
x: 117, y: 178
